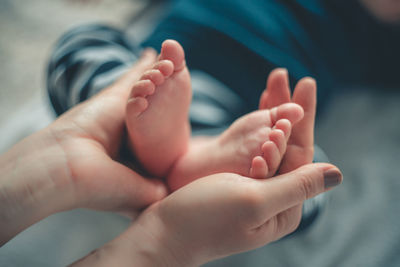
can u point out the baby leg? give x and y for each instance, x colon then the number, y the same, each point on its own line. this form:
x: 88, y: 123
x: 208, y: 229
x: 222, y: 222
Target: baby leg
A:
x: 157, y: 111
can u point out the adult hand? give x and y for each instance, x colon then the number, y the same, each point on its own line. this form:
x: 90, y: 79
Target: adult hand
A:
x: 74, y: 163
x: 216, y: 216
x: 300, y: 147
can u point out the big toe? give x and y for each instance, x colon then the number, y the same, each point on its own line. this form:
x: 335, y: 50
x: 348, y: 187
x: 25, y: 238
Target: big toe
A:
x: 291, y: 111
x: 172, y: 50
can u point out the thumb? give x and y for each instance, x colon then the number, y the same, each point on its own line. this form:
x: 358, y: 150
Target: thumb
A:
x: 291, y: 189
x: 119, y: 188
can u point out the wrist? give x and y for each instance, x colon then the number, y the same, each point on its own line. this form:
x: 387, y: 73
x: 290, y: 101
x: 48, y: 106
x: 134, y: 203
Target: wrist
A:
x: 29, y: 191
x: 154, y: 244
x: 146, y: 243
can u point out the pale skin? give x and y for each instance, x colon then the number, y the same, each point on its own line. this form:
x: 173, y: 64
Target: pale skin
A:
x: 73, y: 163
x: 213, y: 217
x: 159, y: 130
x: 165, y: 250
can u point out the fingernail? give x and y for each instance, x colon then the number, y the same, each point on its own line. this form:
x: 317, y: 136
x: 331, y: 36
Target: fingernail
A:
x: 332, y: 178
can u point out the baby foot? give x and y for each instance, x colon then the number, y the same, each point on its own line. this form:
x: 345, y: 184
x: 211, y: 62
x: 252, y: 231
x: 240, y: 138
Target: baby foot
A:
x: 252, y: 146
x: 259, y: 140
x: 273, y: 150
x: 157, y: 111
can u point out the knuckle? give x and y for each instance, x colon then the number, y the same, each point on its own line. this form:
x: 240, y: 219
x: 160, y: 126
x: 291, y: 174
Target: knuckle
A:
x: 250, y: 197
x: 97, y: 256
x: 294, y: 224
x: 306, y: 186
x: 288, y: 222
x: 250, y: 201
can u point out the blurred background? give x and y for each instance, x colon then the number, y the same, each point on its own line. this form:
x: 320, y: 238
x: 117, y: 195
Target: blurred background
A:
x: 29, y: 29
x: 359, y: 131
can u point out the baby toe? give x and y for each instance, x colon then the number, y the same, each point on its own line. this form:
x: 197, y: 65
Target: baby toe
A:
x: 166, y: 67
x: 259, y: 168
x: 153, y: 75
x: 272, y: 156
x: 142, y: 88
x: 136, y: 106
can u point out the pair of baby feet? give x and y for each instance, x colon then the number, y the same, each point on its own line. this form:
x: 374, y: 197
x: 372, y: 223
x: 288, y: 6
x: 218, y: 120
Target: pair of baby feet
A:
x: 159, y: 129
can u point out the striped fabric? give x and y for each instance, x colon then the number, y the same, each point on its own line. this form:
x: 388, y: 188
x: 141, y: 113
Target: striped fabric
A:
x: 86, y: 60
x: 89, y: 58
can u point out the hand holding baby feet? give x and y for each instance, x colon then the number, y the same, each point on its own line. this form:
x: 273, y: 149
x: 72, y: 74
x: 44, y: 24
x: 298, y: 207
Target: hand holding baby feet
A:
x: 157, y: 111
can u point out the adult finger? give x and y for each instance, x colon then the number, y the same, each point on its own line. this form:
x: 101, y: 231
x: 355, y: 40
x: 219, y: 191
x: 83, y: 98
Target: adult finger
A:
x: 113, y: 186
x: 300, y: 148
x: 288, y: 190
x: 277, y: 90
x: 305, y: 96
